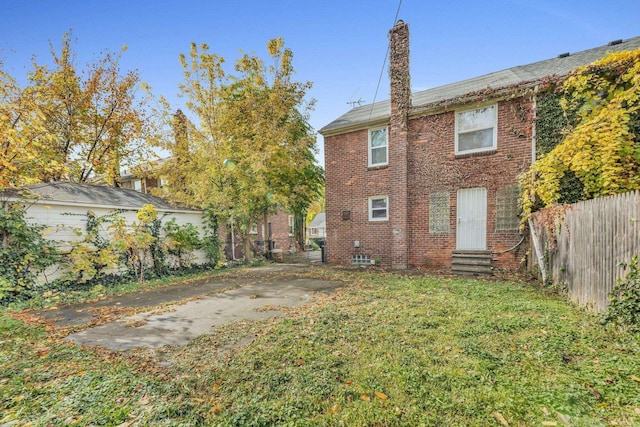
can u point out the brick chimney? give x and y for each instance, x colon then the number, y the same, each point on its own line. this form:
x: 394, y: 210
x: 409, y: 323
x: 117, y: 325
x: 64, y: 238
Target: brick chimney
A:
x: 398, y: 143
x: 180, y: 150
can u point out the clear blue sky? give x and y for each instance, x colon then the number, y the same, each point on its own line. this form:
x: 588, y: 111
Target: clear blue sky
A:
x: 338, y: 45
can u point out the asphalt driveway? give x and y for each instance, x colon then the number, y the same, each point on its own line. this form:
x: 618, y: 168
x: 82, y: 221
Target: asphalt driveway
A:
x: 257, y: 293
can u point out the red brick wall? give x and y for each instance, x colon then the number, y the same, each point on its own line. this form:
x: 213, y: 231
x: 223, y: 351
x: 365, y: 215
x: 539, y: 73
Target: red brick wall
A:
x: 349, y: 185
x: 279, y: 230
x: 432, y: 167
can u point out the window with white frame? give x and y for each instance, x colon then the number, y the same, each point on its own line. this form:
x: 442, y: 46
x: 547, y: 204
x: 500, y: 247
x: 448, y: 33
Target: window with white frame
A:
x: 313, y: 231
x: 378, y: 208
x: 254, y: 229
x: 292, y: 227
x: 476, y: 130
x: 378, y: 154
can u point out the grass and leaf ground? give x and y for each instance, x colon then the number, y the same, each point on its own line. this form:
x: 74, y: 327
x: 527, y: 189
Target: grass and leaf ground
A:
x: 386, y: 350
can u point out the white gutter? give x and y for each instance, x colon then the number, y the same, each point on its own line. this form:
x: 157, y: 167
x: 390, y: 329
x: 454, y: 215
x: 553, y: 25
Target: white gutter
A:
x: 94, y: 205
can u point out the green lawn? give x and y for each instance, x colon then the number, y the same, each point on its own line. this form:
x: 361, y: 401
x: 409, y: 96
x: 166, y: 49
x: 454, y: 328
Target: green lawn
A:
x: 387, y: 350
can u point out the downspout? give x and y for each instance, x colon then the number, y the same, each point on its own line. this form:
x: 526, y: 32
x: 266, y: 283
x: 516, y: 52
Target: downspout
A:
x: 533, y: 128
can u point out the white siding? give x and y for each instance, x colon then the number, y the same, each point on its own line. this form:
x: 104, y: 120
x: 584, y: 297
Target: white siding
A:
x: 62, y: 221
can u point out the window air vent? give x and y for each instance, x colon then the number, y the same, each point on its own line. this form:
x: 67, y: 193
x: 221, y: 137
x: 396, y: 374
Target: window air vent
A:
x: 564, y: 55
x: 614, y: 42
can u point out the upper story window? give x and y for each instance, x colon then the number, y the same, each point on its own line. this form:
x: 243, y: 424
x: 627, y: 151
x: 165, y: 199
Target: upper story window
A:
x: 378, y: 208
x: 476, y: 130
x: 378, y: 153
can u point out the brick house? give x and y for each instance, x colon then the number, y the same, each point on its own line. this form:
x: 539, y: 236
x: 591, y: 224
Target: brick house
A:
x: 430, y: 178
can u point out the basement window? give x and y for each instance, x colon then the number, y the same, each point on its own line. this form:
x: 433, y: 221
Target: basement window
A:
x: 476, y: 130
x: 378, y: 155
x: 359, y: 259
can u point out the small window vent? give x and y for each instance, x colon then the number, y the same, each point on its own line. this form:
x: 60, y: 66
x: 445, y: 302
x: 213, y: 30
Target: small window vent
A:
x: 615, y: 42
x: 564, y: 55
x: 359, y: 259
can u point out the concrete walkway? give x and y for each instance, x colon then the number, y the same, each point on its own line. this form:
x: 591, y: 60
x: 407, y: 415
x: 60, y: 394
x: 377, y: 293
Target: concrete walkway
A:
x: 257, y: 294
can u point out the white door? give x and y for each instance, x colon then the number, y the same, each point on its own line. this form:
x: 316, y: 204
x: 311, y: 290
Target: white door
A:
x: 471, y: 230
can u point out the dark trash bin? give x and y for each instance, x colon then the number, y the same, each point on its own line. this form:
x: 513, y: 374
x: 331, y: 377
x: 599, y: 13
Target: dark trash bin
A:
x: 322, y: 244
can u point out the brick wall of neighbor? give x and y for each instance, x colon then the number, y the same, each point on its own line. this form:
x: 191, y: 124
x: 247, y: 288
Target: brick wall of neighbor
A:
x: 279, y: 231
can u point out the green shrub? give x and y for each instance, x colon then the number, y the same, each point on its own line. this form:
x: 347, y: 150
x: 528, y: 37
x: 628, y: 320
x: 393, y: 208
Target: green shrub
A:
x: 24, y: 252
x: 181, y: 241
x: 624, y: 303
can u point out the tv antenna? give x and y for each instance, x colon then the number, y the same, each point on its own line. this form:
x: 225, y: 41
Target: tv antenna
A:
x: 353, y: 103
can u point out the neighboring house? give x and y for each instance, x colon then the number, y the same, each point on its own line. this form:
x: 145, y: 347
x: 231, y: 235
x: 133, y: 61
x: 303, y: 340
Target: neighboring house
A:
x: 317, y: 227
x: 143, y: 184
x: 63, y: 207
x: 430, y: 178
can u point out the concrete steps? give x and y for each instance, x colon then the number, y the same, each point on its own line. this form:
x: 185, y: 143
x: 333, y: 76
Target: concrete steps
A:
x: 471, y: 263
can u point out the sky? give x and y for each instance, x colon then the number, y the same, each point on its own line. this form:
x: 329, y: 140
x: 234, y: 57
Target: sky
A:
x: 340, y: 46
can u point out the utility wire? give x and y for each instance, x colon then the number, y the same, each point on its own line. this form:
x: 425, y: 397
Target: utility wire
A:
x: 384, y: 63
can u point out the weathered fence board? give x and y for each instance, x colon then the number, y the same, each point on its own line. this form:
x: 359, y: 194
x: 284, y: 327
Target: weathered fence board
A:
x: 586, y: 244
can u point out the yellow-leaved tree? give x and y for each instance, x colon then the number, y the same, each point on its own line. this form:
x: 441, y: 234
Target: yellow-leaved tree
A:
x: 602, y: 148
x: 25, y: 144
x: 95, y: 119
x: 248, y: 148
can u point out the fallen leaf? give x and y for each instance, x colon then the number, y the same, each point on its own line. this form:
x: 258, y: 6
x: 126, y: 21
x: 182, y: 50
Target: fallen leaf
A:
x: 633, y: 377
x: 217, y: 409
x: 594, y: 392
x: 549, y: 423
x: 498, y: 416
x: 564, y: 418
x: 381, y: 395
x: 334, y: 409
x: 365, y: 397
x: 546, y: 411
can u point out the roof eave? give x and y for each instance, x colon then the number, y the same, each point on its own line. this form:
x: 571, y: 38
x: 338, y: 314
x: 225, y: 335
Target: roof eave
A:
x: 331, y: 131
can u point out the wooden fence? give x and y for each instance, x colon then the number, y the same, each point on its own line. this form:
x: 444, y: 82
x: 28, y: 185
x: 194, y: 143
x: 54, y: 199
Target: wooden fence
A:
x: 584, y: 244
